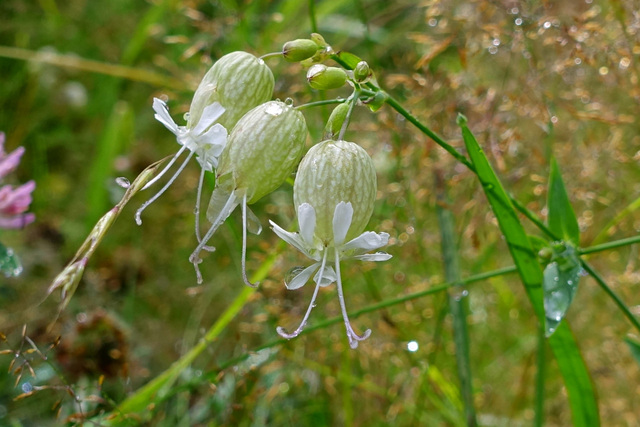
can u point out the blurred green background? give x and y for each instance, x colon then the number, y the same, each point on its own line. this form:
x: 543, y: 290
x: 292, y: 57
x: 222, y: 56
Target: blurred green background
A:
x: 533, y: 78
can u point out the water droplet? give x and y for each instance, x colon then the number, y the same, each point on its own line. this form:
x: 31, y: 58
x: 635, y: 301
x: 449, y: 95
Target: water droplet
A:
x: 547, y: 24
x: 186, y: 117
x: 292, y: 273
x: 274, y: 108
x: 412, y: 346
x: 123, y: 182
x: 518, y: 21
x: 289, y: 101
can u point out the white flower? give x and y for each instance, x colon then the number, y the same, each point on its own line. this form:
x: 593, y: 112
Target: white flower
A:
x: 323, y: 275
x: 206, y: 139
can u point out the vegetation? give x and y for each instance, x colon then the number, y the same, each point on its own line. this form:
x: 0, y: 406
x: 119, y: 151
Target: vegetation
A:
x: 506, y: 152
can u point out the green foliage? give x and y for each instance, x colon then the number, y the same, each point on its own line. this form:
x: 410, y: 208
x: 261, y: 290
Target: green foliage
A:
x: 78, y: 80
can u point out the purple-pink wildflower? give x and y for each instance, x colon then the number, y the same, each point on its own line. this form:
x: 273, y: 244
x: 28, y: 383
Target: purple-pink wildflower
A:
x: 14, y: 202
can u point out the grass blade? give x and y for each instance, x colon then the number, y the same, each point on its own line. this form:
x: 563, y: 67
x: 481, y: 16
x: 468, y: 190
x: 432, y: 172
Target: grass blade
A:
x: 562, y: 218
x: 576, y: 377
x: 457, y: 304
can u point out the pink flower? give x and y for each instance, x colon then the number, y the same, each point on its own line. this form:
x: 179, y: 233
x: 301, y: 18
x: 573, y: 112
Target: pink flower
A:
x: 14, y: 202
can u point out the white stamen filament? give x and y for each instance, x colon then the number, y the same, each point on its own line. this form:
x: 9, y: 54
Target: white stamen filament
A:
x: 295, y: 333
x: 165, y: 169
x: 231, y: 203
x: 353, y: 337
x: 163, y: 189
x: 197, y: 209
x: 244, y: 244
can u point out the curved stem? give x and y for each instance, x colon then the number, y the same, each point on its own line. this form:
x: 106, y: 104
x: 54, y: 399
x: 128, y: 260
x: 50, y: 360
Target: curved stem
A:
x: 270, y: 55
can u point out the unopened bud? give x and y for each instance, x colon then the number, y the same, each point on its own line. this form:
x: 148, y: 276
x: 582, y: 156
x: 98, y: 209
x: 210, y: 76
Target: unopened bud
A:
x: 362, y: 72
x: 322, y: 77
x: 333, y: 172
x: 238, y: 81
x: 336, y: 120
x: 299, y: 50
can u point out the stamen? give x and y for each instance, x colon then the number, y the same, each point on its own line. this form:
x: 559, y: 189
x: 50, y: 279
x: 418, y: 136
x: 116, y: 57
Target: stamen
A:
x: 244, y: 244
x: 197, y: 209
x: 165, y: 169
x: 229, y: 206
x: 280, y: 330
x: 163, y: 189
x: 353, y: 337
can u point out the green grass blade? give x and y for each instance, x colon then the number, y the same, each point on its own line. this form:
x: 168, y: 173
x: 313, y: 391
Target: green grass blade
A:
x: 136, y: 405
x: 576, y: 377
x: 118, y: 131
x: 562, y: 218
x: 582, y: 396
x: 513, y: 231
x: 457, y: 304
x: 634, y: 347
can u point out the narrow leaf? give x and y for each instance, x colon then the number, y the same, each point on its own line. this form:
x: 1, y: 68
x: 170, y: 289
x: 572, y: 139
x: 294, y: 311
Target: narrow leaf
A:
x: 576, y: 377
x: 562, y: 218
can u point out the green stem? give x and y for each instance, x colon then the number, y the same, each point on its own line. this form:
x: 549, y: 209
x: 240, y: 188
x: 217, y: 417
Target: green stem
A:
x: 437, y: 139
x: 320, y: 103
x: 609, y: 245
x: 621, y: 305
x: 312, y: 16
x: 540, y: 376
x: 354, y: 100
x: 376, y: 307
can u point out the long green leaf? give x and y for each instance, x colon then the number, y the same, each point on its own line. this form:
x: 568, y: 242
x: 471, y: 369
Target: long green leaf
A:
x: 576, y: 377
x: 562, y: 218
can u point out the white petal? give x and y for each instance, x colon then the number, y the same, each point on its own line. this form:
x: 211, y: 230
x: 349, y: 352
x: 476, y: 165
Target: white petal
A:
x: 303, y: 277
x: 367, y: 241
x: 378, y: 256
x: 307, y: 222
x: 329, y: 276
x: 342, y: 217
x: 215, y: 138
x: 208, y: 163
x: 162, y: 115
x: 210, y: 114
x: 293, y: 239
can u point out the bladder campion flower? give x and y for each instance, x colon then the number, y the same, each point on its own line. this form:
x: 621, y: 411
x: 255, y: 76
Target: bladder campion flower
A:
x: 334, y: 193
x: 263, y: 150
x: 205, y: 139
x: 239, y: 81
x: 14, y: 201
x: 235, y: 84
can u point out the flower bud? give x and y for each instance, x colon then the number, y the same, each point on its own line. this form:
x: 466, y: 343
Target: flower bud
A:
x: 333, y: 172
x: 263, y: 149
x: 322, y: 77
x: 336, y: 120
x: 299, y: 50
x: 362, y: 72
x: 238, y: 81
